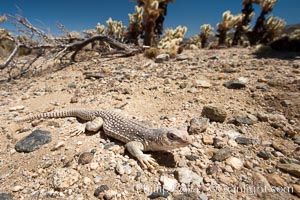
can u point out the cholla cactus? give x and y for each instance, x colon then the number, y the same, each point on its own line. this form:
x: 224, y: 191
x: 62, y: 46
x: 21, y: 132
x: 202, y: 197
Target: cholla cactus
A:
x: 73, y: 35
x: 153, y: 17
x: 3, y: 18
x: 150, y: 15
x: 228, y: 22
x: 89, y: 32
x: 100, y: 29
x: 199, y: 41
x: 115, y: 29
x: 259, y: 30
x: 295, y: 34
x: 273, y: 26
x: 7, y: 42
x: 242, y: 28
x: 290, y: 42
x: 194, y: 42
x: 267, y: 5
x: 4, y: 33
x: 135, y: 28
x: 172, y: 39
x: 206, y: 30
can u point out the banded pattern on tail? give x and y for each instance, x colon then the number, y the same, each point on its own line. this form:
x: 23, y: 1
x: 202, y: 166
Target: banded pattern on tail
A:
x: 81, y: 113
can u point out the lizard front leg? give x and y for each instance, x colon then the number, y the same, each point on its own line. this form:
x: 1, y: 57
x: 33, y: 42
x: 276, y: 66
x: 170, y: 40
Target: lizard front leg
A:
x: 93, y: 126
x: 136, y: 149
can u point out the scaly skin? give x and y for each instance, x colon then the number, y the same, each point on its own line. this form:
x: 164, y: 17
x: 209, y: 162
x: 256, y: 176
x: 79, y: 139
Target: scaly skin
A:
x: 138, y: 137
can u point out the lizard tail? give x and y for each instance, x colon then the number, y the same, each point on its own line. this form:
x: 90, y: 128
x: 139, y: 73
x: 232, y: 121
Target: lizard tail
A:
x: 83, y: 114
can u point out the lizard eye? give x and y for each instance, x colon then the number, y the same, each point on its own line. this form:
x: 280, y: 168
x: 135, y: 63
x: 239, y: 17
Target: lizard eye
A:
x: 172, y: 136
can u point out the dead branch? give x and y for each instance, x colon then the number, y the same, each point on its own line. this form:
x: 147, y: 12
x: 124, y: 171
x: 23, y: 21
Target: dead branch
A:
x: 77, y: 46
x: 21, y: 21
x: 11, y: 56
x: 53, y: 48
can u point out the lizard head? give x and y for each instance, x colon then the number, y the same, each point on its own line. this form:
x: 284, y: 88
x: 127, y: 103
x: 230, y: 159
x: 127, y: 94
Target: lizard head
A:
x: 171, y: 138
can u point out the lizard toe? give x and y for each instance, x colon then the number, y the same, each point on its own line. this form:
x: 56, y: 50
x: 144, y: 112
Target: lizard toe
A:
x: 79, y: 129
x: 148, y: 162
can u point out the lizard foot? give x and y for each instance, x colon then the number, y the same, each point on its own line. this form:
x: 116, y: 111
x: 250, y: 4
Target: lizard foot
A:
x: 147, y: 161
x: 79, y: 129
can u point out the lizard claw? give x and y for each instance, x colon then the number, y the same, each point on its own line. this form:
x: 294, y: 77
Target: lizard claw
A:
x: 148, y: 162
x: 79, y: 129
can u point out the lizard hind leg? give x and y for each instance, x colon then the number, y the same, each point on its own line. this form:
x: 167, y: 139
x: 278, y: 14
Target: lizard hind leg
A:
x: 92, y: 126
x: 95, y: 124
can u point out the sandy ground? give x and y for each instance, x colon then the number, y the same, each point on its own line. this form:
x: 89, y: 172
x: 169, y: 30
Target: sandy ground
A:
x: 167, y: 94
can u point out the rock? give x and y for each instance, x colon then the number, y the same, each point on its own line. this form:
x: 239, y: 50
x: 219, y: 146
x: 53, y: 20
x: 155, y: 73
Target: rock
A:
x: 259, y: 181
x: 212, y: 169
x: 232, y: 134
x: 201, y: 84
x: 123, y: 168
x: 168, y: 184
x: 280, y: 147
x: 87, y: 181
x: 297, y: 140
x: 124, y: 178
x: 222, y: 154
x: 203, y: 196
x: 72, y: 85
x: 262, y: 116
x: 225, y: 179
x: 219, y: 142
x: 296, y: 189
x: 162, y: 58
x: 159, y: 193
x: 234, y: 162
x: 232, y: 143
x: 100, y: 189
x: 214, y: 113
x: 93, y: 75
x: 244, y: 140
x: 291, y: 168
x: 198, y: 125
x: 296, y: 153
x: 264, y: 154
x: 16, y: 108
x: 94, y: 165
x: 85, y: 158
x: 236, y: 84
x: 278, y: 154
x: 58, y: 145
x: 192, y: 157
x: 244, y: 119
x: 74, y: 99
x: 273, y: 195
x: 207, y: 139
x: 189, y: 196
x: 17, y: 188
x: 5, y: 196
x: 276, y: 118
x: 214, y: 58
x: 228, y: 168
x: 33, y: 141
x: 184, y: 175
x: 110, y: 194
x: 63, y: 178
x: 276, y: 180
x: 181, y: 57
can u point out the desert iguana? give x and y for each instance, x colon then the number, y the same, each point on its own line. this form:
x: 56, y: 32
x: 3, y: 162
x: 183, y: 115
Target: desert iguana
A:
x: 138, y: 137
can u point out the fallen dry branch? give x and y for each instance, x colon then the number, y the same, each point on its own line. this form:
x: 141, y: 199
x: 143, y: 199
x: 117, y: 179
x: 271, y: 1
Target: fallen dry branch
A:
x: 60, y: 50
x: 79, y: 45
x: 44, y: 48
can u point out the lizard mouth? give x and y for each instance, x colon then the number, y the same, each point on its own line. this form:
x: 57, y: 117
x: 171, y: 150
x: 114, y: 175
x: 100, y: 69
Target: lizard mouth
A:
x: 188, y: 140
